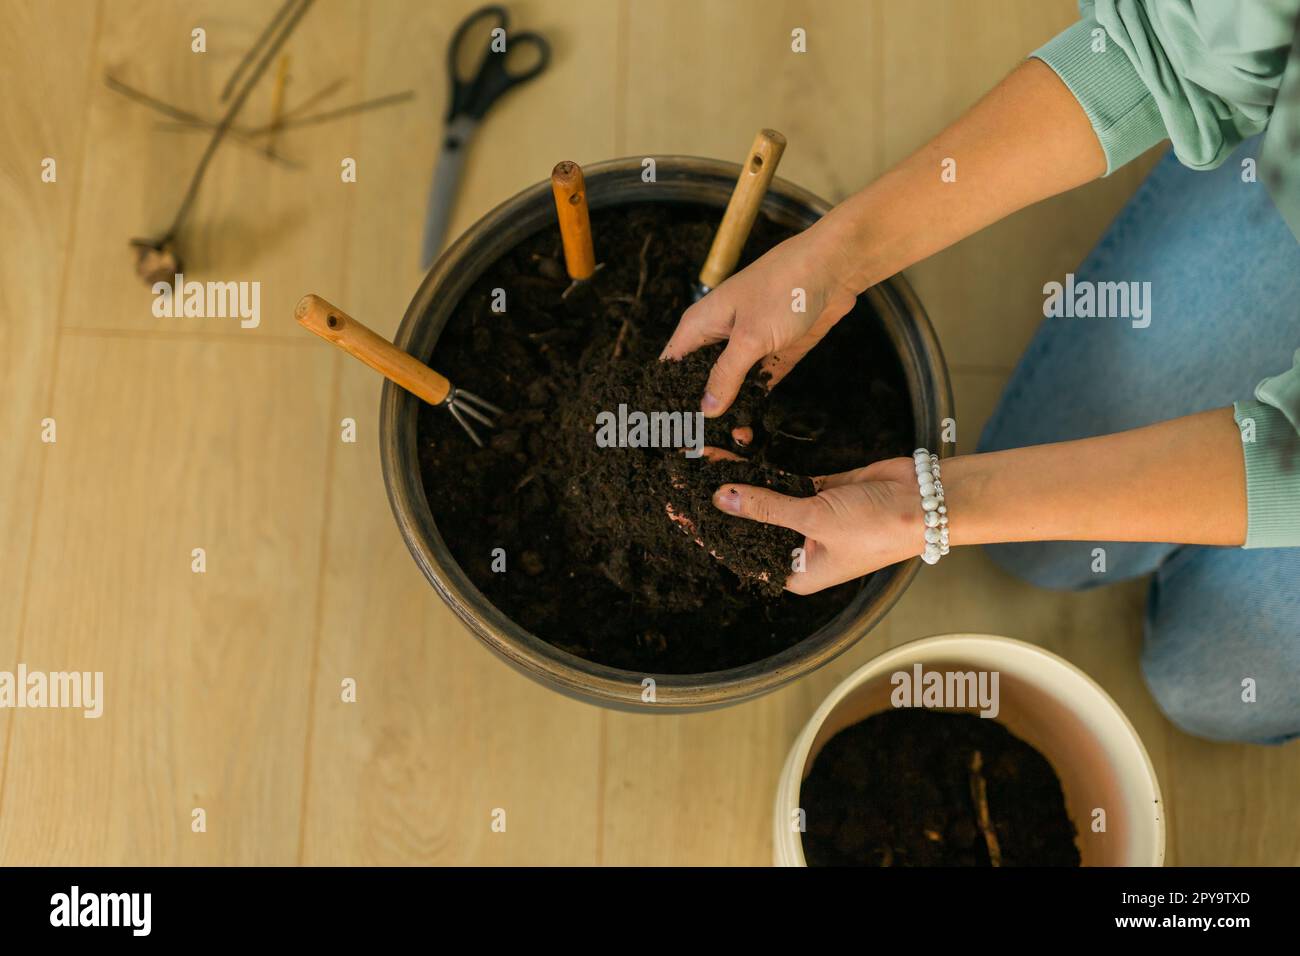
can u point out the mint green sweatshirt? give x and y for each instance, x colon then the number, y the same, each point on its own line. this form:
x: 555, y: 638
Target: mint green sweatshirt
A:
x: 1207, y: 74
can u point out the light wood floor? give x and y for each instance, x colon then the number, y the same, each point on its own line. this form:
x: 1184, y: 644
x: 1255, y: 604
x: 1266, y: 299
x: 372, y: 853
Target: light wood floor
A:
x: 222, y: 689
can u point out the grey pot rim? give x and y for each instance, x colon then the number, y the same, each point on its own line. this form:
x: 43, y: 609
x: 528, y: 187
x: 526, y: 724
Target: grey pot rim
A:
x: 572, y: 675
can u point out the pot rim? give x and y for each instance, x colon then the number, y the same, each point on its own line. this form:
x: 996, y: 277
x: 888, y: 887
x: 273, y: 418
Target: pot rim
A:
x: 573, y: 675
x: 787, y: 850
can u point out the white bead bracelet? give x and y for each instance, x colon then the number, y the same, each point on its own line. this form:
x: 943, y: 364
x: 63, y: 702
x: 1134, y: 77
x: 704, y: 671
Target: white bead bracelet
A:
x: 932, y: 506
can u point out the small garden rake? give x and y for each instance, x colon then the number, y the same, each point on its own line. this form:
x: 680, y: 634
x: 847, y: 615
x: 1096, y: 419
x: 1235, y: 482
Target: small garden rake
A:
x: 337, y: 327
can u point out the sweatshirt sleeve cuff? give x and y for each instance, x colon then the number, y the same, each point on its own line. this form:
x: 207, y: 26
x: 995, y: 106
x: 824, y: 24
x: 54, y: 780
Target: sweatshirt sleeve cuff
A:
x: 1272, y: 450
x: 1122, y: 110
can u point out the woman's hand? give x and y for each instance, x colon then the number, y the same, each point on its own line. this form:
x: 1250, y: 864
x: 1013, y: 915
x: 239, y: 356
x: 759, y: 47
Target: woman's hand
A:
x: 754, y: 312
x: 1026, y: 140
x: 858, y: 522
x: 1180, y: 481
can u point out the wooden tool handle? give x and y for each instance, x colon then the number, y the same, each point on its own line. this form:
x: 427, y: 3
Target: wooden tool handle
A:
x: 742, y: 210
x: 570, y: 191
x: 336, y: 326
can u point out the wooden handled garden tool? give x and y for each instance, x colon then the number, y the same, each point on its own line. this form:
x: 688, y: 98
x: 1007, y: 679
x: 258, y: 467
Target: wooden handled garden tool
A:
x: 742, y: 210
x: 337, y: 327
x: 570, y: 191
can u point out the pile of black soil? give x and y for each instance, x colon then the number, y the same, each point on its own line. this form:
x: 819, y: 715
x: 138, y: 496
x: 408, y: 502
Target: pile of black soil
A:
x: 595, y: 564
x: 681, y: 483
x: 918, y: 787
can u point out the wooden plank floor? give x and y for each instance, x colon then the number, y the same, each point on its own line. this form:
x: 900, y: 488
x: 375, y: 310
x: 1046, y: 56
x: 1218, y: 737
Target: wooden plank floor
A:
x: 223, y: 689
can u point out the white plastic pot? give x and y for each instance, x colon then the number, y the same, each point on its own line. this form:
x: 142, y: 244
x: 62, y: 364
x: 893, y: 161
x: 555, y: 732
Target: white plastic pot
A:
x: 1045, y: 701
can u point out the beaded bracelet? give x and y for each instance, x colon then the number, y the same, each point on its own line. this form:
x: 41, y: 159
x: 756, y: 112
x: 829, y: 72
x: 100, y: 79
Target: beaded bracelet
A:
x: 932, y: 506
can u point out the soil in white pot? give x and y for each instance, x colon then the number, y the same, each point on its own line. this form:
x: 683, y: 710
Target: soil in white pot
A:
x: 917, y: 787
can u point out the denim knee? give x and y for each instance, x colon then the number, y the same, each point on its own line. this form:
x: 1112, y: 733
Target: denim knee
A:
x: 1077, y: 565
x: 1209, y: 702
x: 1044, y: 564
x: 1222, y: 649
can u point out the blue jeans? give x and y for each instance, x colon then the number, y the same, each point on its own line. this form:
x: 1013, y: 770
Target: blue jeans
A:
x: 1225, y: 312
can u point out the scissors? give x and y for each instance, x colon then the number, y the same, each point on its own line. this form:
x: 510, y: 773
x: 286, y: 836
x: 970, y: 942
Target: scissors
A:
x: 471, y: 98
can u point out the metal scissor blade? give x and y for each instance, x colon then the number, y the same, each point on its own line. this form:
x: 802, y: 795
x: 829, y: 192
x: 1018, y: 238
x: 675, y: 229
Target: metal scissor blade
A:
x: 446, y: 180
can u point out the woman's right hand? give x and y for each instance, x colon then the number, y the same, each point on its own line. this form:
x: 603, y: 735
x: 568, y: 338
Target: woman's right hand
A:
x: 858, y: 522
x: 754, y: 311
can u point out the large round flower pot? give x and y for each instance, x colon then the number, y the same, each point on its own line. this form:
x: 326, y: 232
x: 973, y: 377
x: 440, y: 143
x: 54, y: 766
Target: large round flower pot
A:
x: 679, y: 179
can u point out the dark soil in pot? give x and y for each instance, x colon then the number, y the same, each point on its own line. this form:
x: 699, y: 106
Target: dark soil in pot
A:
x: 919, y: 787
x: 593, y: 563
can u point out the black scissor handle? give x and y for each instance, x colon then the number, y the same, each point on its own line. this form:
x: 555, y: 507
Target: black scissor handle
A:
x: 472, y: 96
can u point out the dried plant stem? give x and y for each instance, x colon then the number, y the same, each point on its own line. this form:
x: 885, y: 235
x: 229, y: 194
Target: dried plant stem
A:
x: 160, y: 106
x: 300, y: 7
x: 317, y: 118
x: 635, y: 300
x: 980, y: 796
x: 277, y: 102
x: 645, y: 266
x: 312, y: 120
x: 190, y: 122
x: 247, y: 58
x: 324, y: 93
x: 186, y: 118
x: 618, y: 342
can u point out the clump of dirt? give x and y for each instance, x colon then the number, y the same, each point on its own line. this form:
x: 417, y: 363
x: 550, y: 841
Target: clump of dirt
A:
x: 664, y: 492
x: 595, y: 565
x: 917, y: 787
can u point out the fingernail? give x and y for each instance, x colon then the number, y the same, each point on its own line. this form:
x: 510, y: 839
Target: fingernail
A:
x: 711, y: 405
x: 728, y: 500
